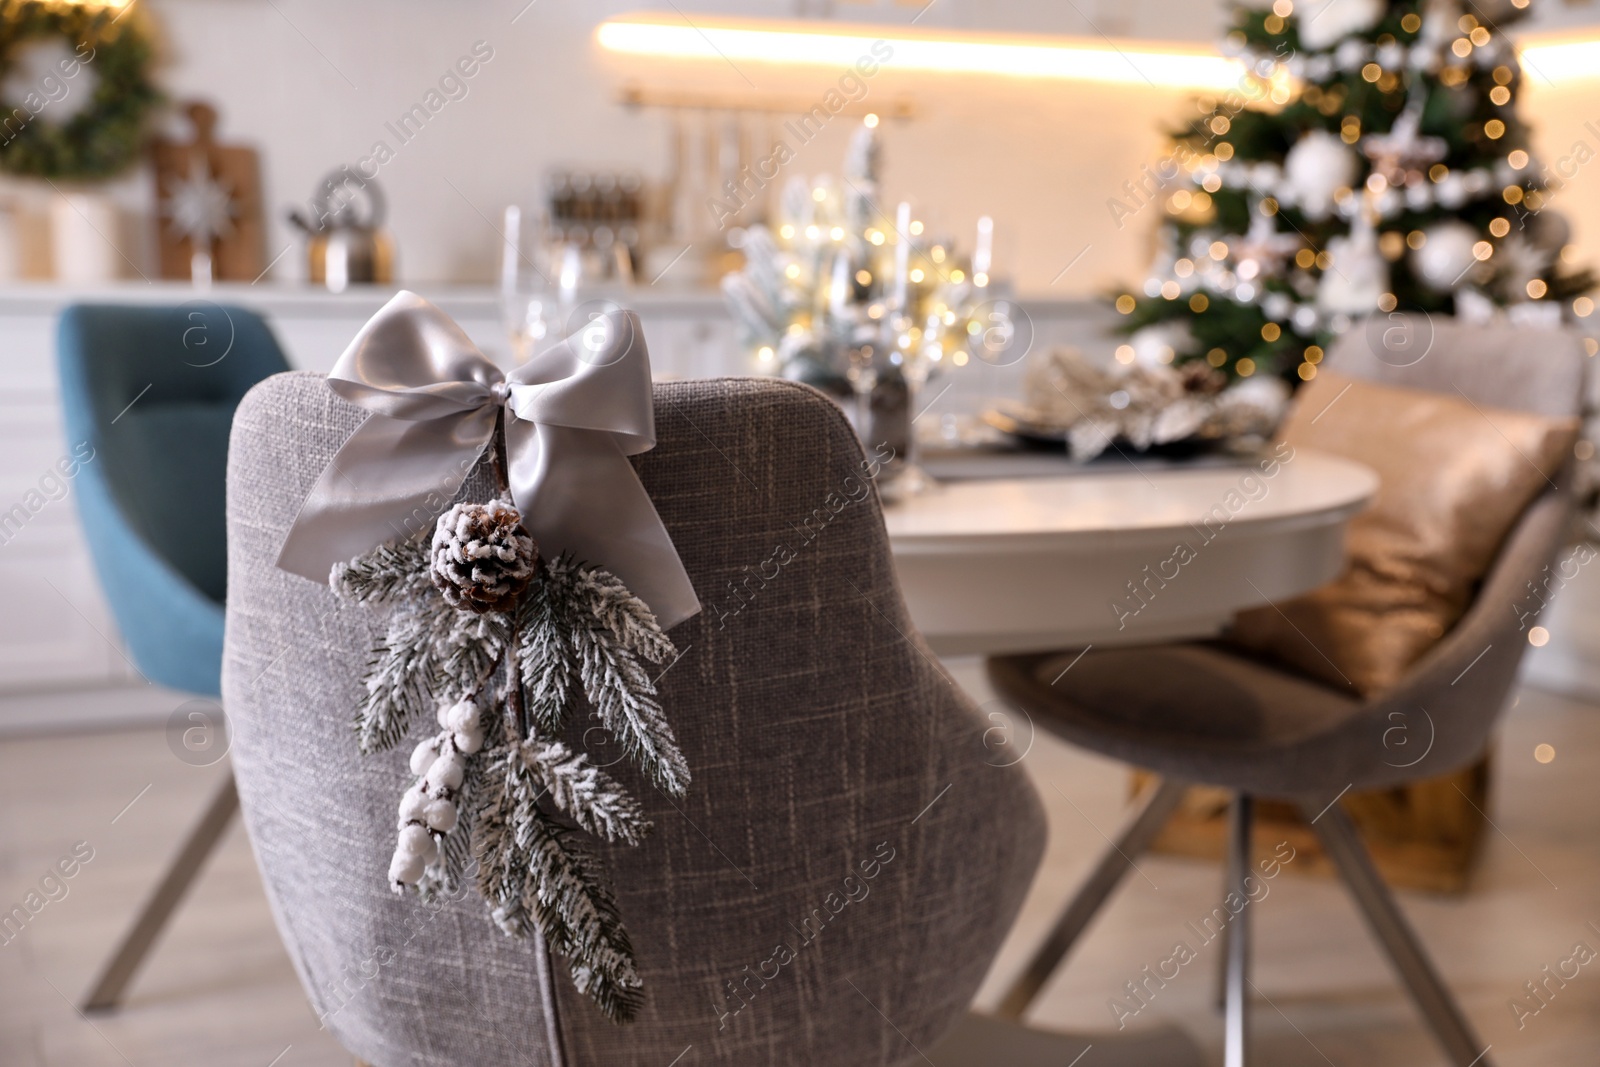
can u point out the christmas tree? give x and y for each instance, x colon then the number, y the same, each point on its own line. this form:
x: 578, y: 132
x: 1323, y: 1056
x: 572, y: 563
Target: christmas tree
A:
x: 1370, y: 160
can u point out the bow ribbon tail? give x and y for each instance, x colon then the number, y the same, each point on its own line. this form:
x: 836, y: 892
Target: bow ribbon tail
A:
x: 390, y: 480
x: 578, y: 492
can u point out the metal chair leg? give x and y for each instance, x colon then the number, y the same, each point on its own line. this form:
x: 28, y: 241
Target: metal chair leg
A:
x: 1394, y: 933
x: 1236, y: 1017
x: 1220, y: 998
x: 107, y: 992
x: 1134, y: 837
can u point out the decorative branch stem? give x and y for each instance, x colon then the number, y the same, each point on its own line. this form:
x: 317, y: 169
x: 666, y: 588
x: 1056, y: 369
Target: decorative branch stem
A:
x: 516, y: 709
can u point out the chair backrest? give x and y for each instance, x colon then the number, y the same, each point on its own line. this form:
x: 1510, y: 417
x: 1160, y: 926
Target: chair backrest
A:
x: 1542, y: 370
x: 1449, y: 700
x: 824, y: 739
x: 152, y: 391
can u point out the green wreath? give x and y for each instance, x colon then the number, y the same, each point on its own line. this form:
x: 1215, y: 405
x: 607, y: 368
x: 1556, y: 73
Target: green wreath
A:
x: 107, y: 135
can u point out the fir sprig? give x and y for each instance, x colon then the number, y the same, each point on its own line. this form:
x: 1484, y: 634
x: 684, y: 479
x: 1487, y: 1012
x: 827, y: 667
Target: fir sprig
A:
x: 625, y: 699
x: 538, y: 877
x: 431, y: 654
x: 547, y: 664
x: 394, y: 572
x: 595, y: 800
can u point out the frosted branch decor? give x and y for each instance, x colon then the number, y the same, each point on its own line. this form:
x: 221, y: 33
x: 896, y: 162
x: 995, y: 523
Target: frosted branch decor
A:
x: 495, y: 628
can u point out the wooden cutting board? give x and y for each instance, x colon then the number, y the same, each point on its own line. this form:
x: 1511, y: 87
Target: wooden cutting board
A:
x: 238, y: 254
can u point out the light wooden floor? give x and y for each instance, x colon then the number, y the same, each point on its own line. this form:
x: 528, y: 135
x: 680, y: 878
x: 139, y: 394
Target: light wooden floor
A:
x: 220, y: 992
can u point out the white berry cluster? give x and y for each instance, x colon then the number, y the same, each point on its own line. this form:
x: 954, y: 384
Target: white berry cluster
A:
x: 428, y: 809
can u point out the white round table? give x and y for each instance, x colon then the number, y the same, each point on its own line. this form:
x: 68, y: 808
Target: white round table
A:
x: 1116, y: 554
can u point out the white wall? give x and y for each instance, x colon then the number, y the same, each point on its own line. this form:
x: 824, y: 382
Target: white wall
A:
x: 312, y: 83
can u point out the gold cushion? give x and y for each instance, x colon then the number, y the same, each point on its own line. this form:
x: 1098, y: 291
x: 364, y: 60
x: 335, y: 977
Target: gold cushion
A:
x: 1454, y: 478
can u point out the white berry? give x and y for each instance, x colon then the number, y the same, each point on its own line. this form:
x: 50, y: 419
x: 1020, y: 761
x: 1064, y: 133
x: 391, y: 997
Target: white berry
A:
x: 415, y: 840
x: 463, y: 717
x: 423, y: 755
x: 405, y: 868
x: 468, y: 741
x: 412, y: 806
x: 447, y: 771
x: 441, y: 815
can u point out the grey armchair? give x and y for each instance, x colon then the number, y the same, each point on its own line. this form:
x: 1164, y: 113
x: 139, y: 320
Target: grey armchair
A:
x: 1202, y: 713
x: 822, y: 734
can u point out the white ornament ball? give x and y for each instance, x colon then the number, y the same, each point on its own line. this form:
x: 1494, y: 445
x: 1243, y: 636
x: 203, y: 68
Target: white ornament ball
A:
x: 442, y: 716
x: 1445, y: 258
x: 1550, y: 231
x: 447, y: 771
x: 1350, y: 56
x: 406, y: 869
x: 1318, y: 166
x: 417, y: 841
x: 1158, y: 345
x: 1324, y: 25
x: 463, y: 716
x: 1358, y: 278
x: 468, y: 741
x: 423, y: 755
x: 1452, y: 192
x: 412, y: 806
x: 1419, y: 197
x: 441, y: 816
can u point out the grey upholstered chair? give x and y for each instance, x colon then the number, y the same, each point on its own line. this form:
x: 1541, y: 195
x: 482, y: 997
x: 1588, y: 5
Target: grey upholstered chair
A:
x: 1200, y: 713
x: 820, y: 730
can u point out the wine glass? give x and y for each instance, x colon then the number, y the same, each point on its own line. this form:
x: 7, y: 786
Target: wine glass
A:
x: 862, y: 374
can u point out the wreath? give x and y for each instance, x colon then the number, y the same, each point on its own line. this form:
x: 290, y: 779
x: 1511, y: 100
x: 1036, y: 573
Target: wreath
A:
x: 107, y: 135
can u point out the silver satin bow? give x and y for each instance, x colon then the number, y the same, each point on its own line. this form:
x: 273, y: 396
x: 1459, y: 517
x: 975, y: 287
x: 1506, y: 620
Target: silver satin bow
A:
x: 577, y: 410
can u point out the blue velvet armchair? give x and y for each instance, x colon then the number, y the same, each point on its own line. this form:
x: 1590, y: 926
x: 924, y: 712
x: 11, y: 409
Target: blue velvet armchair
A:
x: 152, y: 390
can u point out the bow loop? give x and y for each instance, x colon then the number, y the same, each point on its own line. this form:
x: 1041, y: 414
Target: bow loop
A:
x: 582, y: 407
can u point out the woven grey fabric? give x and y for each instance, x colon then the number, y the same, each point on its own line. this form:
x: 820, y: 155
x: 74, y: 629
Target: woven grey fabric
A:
x: 822, y: 736
x: 1202, y: 712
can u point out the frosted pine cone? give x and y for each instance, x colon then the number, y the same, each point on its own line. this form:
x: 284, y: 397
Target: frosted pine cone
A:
x: 482, y: 557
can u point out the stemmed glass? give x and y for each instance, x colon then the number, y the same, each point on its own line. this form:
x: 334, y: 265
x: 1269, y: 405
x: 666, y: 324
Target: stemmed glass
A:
x: 528, y: 310
x: 907, y: 477
x: 862, y: 373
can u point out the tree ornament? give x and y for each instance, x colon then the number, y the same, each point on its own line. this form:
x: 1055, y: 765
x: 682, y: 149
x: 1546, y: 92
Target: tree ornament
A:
x: 1518, y: 261
x: 1157, y: 345
x: 482, y: 557
x: 1263, y: 247
x: 1357, y: 276
x: 1403, y: 155
x: 1317, y: 167
x: 1446, y: 256
x: 1322, y: 25
x: 1550, y: 231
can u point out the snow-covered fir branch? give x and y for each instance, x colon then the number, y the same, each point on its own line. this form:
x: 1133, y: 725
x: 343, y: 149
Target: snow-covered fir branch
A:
x: 595, y: 800
x: 537, y: 876
x: 394, y: 571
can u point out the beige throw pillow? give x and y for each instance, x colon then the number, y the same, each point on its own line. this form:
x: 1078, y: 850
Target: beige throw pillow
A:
x: 1454, y: 479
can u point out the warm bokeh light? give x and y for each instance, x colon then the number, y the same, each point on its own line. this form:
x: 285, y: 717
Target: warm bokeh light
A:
x: 1169, y: 65
x: 1561, y: 58
x: 1160, y: 63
